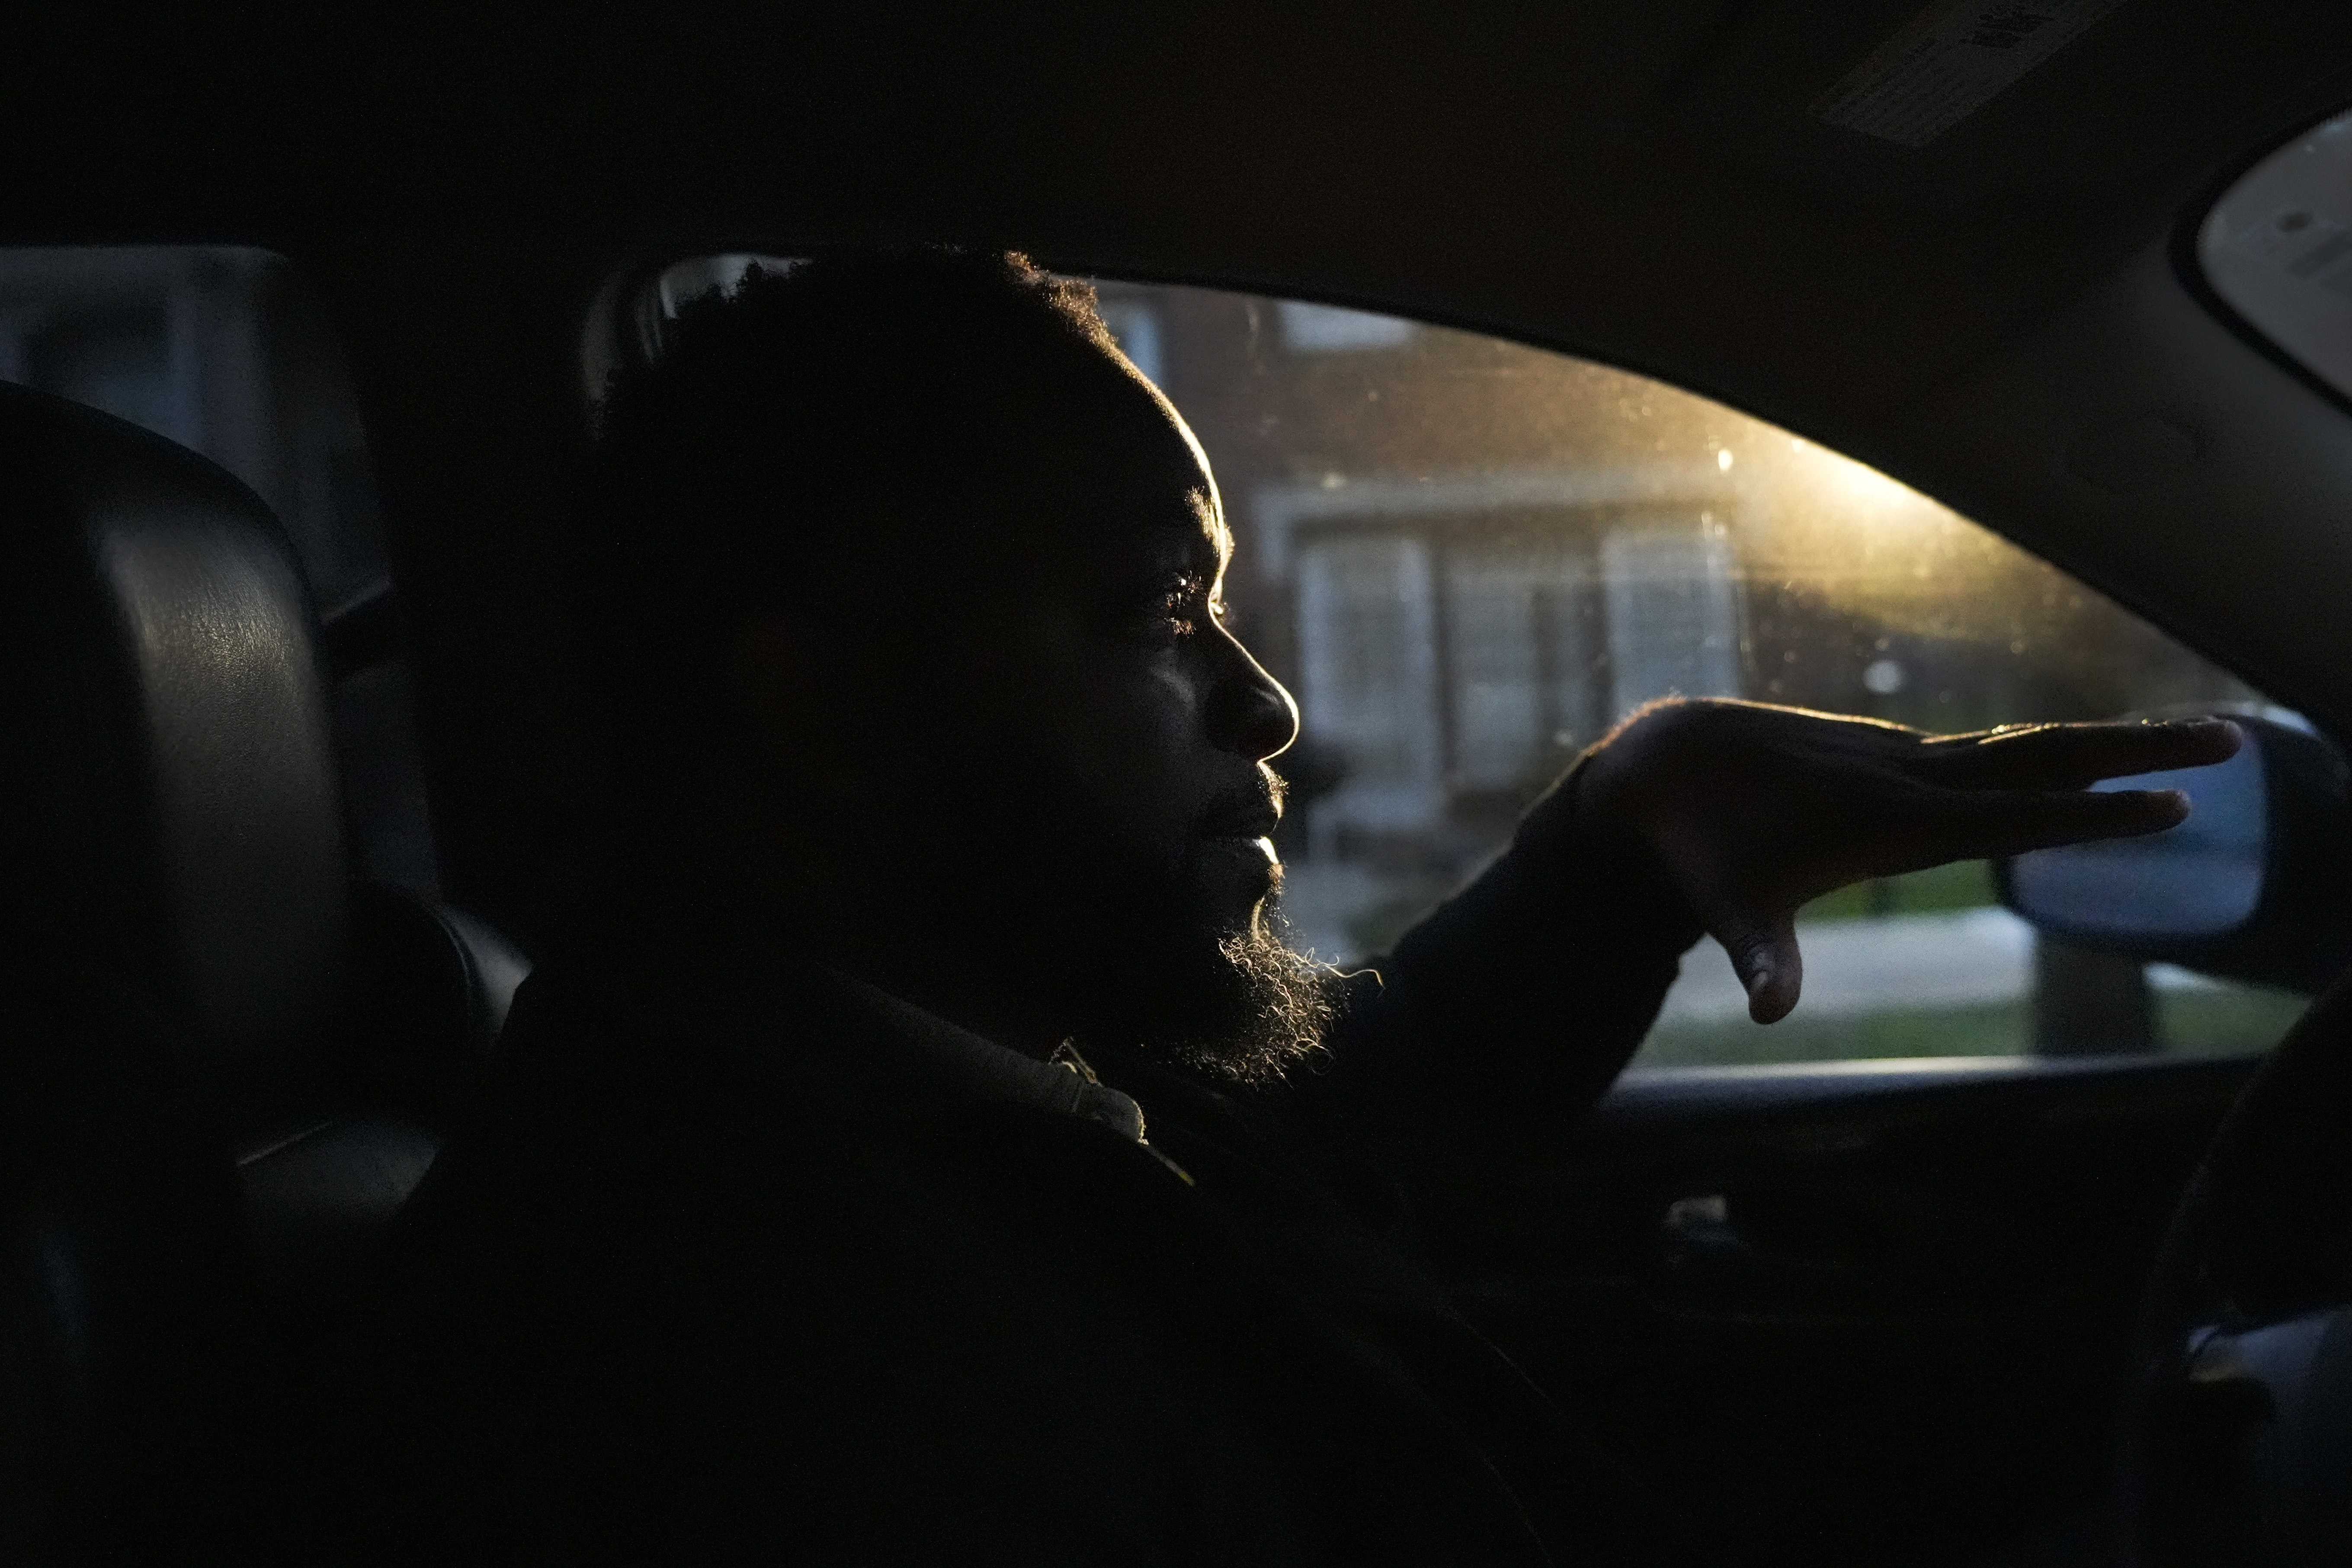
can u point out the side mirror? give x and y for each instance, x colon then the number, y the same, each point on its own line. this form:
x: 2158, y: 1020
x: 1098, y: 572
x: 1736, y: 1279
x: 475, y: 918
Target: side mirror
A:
x: 2255, y: 886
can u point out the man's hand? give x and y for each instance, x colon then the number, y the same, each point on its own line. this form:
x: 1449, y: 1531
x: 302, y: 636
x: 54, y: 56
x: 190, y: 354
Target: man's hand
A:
x: 1754, y: 810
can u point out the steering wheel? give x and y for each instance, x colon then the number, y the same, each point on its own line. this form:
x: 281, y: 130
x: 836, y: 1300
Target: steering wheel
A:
x: 2236, y: 1442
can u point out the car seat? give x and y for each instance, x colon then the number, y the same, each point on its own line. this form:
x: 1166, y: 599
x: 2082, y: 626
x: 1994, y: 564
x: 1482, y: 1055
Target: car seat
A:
x: 223, y: 1068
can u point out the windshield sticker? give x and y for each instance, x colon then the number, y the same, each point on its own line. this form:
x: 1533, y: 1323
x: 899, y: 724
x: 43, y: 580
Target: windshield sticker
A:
x: 1952, y: 60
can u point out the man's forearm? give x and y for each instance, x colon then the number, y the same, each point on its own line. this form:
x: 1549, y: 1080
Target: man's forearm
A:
x: 1503, y: 1014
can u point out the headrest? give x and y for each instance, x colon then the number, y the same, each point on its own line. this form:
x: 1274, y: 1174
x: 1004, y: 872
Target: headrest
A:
x: 168, y: 802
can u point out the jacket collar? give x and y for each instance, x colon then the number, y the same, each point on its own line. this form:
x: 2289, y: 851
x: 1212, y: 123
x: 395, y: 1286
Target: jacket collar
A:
x: 986, y: 1070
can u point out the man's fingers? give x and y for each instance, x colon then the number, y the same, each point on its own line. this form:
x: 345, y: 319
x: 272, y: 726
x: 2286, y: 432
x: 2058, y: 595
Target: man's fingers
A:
x: 1764, y: 955
x: 2013, y: 823
x: 1979, y: 824
x: 2069, y: 757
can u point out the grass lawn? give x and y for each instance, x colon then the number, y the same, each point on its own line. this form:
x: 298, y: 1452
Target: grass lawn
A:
x: 2226, y: 1021
x: 2221, y: 1021
x: 1963, y: 885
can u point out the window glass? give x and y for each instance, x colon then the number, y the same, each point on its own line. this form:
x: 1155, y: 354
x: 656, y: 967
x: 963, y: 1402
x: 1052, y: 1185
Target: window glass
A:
x: 223, y: 351
x: 1469, y: 558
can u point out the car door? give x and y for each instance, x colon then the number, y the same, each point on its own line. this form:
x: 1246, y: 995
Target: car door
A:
x: 1864, y: 1311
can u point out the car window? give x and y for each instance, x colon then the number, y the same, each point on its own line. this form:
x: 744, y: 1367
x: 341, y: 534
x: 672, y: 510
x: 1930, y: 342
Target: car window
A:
x: 1469, y: 557
x: 225, y: 351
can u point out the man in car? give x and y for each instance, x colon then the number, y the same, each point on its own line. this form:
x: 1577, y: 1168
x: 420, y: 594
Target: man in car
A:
x: 930, y: 1151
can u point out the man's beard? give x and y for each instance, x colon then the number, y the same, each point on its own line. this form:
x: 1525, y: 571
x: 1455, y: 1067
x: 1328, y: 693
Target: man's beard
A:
x: 1259, y: 1010
x: 1237, y: 1004
x: 1133, y: 954
x: 1136, y: 947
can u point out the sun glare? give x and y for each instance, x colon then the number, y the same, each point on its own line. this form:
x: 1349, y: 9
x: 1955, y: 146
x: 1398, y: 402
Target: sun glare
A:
x: 1860, y: 492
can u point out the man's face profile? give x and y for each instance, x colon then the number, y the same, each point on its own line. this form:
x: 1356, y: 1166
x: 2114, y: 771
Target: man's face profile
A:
x: 1071, y: 777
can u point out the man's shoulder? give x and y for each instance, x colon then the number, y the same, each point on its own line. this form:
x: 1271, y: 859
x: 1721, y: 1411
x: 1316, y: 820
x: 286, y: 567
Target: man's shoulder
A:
x: 745, y: 1154
x: 601, y: 1045
x: 751, y: 1082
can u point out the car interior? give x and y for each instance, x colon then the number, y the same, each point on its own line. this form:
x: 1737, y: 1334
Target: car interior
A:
x: 1959, y: 365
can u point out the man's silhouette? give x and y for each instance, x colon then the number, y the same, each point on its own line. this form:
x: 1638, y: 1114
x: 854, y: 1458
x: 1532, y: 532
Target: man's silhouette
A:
x: 930, y: 1152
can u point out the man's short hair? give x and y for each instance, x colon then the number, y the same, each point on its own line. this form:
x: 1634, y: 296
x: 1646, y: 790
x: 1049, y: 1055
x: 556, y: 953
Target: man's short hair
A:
x: 856, y: 405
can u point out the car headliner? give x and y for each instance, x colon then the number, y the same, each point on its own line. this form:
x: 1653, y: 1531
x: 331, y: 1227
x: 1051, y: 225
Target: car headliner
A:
x: 1999, y: 318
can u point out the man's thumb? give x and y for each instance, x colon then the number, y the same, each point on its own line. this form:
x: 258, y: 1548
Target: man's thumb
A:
x: 1765, y: 958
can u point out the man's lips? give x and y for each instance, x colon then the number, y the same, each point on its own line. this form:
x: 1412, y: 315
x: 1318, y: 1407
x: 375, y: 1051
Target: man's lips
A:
x: 1241, y: 819
x: 1238, y: 835
x: 1234, y: 839
x: 1258, y: 849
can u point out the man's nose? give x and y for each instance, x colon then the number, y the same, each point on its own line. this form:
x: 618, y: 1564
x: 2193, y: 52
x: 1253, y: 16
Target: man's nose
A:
x: 1250, y: 711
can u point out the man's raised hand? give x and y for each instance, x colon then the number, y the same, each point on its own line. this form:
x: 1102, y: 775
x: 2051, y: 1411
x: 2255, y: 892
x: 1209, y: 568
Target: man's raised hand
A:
x: 1753, y: 811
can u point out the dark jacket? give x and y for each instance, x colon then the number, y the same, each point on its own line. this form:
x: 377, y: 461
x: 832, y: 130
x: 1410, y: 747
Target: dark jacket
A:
x: 746, y: 1263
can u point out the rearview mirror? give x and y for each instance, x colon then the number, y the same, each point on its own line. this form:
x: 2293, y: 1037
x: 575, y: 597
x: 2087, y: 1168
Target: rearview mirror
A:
x: 2255, y: 886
